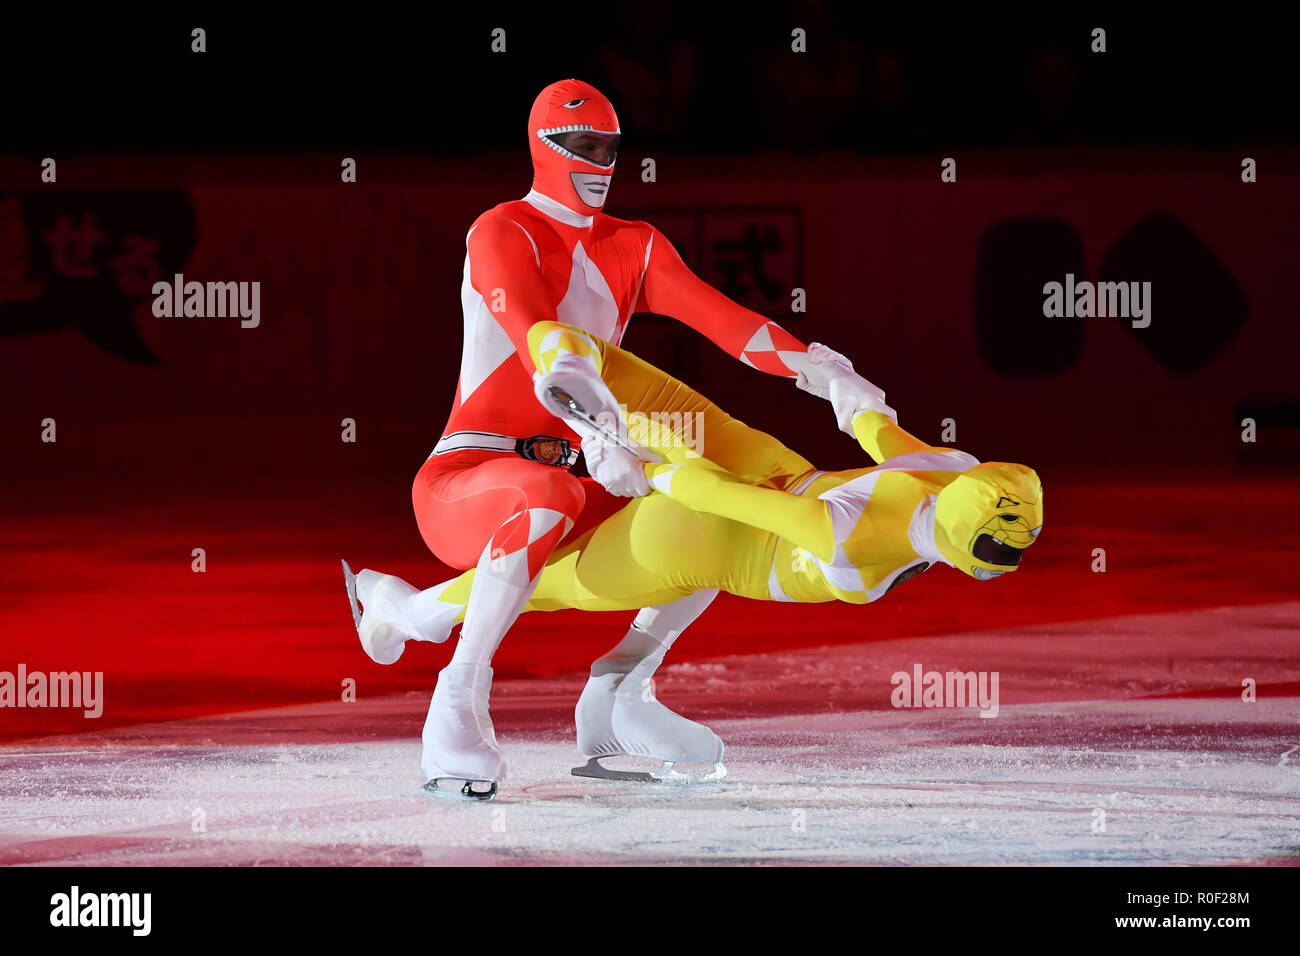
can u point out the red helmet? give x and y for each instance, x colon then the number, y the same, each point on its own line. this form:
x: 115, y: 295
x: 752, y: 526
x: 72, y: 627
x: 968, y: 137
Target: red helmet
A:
x: 575, y: 181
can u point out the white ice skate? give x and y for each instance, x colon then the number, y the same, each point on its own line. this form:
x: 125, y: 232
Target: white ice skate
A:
x: 382, y: 607
x: 565, y: 405
x: 379, y: 619
x: 460, y: 744
x: 618, y: 715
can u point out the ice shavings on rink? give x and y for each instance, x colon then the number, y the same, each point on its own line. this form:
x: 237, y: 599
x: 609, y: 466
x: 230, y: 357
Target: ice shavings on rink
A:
x: 822, y: 768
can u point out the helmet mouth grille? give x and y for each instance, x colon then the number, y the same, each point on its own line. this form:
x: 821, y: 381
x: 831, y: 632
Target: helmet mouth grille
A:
x: 992, y: 551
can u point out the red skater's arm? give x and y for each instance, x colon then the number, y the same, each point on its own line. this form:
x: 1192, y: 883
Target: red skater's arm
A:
x: 504, y: 270
x: 670, y: 288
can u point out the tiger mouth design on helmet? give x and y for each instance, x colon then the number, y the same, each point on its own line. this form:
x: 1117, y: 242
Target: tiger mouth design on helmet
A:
x: 579, y: 182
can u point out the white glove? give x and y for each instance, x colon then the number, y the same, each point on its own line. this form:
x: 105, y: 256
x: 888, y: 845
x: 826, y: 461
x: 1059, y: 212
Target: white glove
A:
x: 851, y: 395
x: 848, y: 392
x: 822, y: 365
x: 618, y: 471
x: 812, y: 388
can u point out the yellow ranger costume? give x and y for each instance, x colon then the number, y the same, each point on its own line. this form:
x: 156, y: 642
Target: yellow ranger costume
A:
x: 753, y: 518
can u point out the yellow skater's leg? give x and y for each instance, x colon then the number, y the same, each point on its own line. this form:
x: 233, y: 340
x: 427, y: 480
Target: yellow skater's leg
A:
x: 668, y: 416
x: 651, y: 552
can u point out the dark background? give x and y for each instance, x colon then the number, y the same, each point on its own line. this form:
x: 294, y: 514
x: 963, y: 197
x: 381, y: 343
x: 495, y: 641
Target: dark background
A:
x: 690, y: 77
x: 181, y: 434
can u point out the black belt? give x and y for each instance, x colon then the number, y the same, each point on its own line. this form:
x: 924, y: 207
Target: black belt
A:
x: 544, y: 449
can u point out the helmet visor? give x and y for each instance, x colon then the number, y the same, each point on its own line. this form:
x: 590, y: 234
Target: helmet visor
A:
x: 600, y: 149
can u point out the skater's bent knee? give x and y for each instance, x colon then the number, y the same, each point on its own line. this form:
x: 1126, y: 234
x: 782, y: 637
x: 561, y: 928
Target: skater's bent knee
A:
x: 554, y: 489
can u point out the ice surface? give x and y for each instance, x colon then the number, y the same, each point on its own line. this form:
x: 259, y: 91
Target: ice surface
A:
x: 1074, y: 769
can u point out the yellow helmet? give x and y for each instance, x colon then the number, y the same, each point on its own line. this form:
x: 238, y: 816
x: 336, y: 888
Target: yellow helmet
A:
x: 986, y: 518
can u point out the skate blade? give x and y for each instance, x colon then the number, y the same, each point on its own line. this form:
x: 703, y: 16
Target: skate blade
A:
x: 566, y: 405
x: 593, y: 768
x: 350, y: 583
x: 466, y: 788
x: 666, y: 774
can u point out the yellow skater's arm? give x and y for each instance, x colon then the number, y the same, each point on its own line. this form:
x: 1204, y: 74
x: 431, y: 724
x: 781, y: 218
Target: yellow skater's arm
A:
x: 881, y: 438
x: 703, y: 486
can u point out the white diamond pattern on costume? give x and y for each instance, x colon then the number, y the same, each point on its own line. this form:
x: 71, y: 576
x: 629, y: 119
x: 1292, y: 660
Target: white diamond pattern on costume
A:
x: 636, y: 296
x: 664, y: 480
x: 508, y: 568
x: 773, y: 585
x: 542, y: 520
x: 761, y: 341
x: 551, y: 340
x: 551, y: 343
x: 840, y: 572
x: 486, y: 343
x: 588, y: 303
x: 848, y: 501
